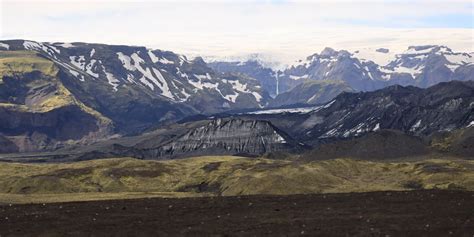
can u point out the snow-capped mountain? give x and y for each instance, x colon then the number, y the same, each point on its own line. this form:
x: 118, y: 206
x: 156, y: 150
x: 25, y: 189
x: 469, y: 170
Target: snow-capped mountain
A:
x: 365, y: 69
x: 336, y: 65
x: 427, y: 65
x: 48, y: 89
x: 255, y: 69
x: 160, y: 73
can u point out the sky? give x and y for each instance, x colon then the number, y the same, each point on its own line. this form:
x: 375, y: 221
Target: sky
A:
x: 282, y: 30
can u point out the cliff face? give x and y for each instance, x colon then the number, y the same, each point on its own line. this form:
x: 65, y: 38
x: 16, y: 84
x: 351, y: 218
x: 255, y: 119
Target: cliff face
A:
x: 37, y: 112
x: 226, y: 137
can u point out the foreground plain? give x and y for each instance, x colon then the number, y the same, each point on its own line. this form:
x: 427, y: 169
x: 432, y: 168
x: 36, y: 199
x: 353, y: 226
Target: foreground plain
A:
x: 404, y: 213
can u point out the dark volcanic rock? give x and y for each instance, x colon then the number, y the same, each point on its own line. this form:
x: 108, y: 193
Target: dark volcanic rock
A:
x: 226, y: 137
x: 459, y: 142
x: 7, y: 146
x: 446, y: 106
x: 380, y: 145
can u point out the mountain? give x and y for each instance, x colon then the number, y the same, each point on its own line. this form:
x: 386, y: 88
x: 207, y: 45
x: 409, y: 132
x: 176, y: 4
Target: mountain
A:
x: 52, y: 94
x: 446, y: 106
x: 55, y: 95
x: 428, y: 65
x: 311, y: 92
x: 378, y: 145
x: 212, y: 136
x: 415, y: 111
x: 265, y: 75
x: 223, y: 137
x: 364, y: 70
x: 37, y: 111
x: 394, y: 122
x: 336, y: 65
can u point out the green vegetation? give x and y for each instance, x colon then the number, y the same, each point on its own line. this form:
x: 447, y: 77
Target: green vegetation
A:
x: 18, y: 62
x: 129, y: 178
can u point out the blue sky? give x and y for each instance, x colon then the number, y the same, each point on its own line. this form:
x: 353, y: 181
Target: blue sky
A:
x: 224, y: 28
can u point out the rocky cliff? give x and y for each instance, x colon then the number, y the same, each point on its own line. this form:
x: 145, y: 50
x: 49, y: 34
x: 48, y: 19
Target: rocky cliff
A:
x: 225, y: 136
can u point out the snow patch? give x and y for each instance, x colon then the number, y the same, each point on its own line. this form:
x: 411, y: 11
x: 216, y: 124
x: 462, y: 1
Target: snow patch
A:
x: 6, y: 46
x: 66, y: 45
x: 412, y: 50
x: 164, y: 85
x: 239, y: 87
x: 279, y: 138
x: 50, y: 50
x: 89, y: 68
x: 328, y: 104
x: 459, y: 59
x: 471, y: 124
x: 152, y: 56
x: 78, y: 61
x: 377, y: 127
x: 77, y: 75
x: 114, y: 82
x: 299, y: 77
x: 126, y: 61
x: 415, y: 126
x: 290, y: 111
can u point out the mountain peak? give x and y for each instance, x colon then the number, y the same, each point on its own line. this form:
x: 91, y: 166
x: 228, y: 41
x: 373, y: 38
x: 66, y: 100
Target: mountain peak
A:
x: 328, y: 52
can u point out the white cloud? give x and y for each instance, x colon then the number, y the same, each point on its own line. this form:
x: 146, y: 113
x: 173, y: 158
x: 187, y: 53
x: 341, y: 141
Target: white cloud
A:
x: 288, y: 29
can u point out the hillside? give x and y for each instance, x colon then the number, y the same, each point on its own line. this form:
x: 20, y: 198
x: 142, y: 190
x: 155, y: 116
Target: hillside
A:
x: 54, y: 95
x: 227, y: 176
x: 37, y: 111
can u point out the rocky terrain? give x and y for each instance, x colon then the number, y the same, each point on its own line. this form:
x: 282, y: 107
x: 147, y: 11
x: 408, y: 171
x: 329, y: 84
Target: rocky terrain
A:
x: 224, y: 137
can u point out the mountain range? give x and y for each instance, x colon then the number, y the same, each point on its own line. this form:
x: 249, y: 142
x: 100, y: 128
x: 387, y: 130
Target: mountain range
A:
x: 389, y: 123
x: 364, y: 70
x: 132, y: 100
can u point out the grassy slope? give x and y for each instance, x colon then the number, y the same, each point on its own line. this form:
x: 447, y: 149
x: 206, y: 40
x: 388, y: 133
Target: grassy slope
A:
x: 129, y: 178
x: 17, y: 62
x: 23, y: 61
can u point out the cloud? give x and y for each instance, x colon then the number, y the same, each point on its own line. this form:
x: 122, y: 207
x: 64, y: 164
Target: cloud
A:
x: 227, y: 27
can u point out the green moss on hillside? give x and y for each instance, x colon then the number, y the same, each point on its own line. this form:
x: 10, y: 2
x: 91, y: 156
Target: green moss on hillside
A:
x: 19, y: 62
x: 231, y: 176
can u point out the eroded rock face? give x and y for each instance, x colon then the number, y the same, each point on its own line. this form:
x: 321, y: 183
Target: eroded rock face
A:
x: 415, y: 111
x: 229, y: 136
x: 31, y: 131
x: 7, y: 146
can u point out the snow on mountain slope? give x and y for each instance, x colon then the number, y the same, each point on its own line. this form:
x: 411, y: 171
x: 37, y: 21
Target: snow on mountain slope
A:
x: 161, y: 73
x: 364, y: 69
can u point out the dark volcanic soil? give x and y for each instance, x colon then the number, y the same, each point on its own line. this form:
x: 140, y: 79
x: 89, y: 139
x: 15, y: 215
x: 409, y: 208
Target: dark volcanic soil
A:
x: 414, y: 213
